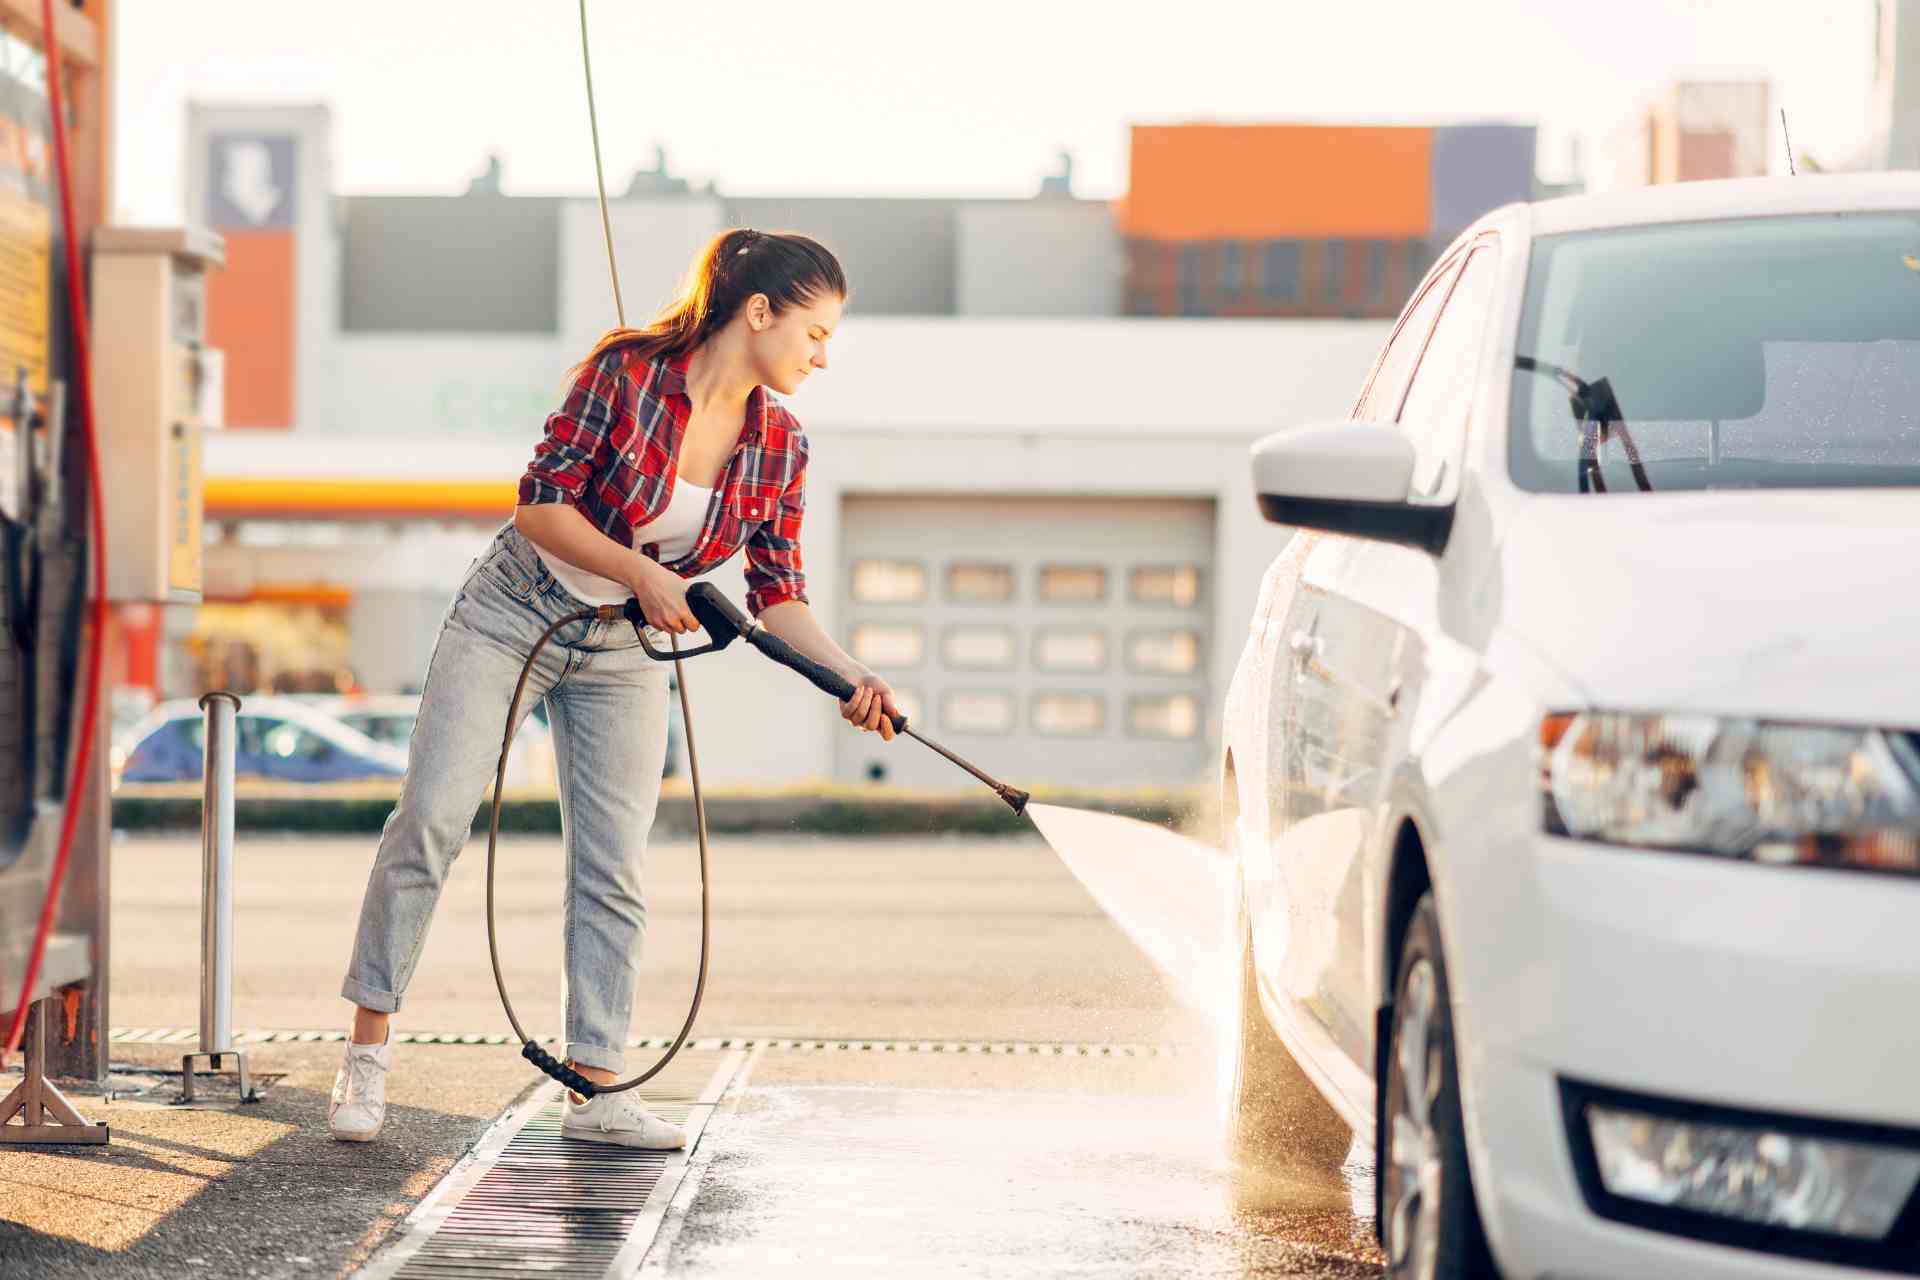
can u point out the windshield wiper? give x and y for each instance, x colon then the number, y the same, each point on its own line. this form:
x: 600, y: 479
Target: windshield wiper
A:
x: 1597, y: 411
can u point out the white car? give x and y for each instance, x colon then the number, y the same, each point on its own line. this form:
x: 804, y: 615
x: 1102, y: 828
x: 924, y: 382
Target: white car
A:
x: 1572, y: 766
x: 388, y: 719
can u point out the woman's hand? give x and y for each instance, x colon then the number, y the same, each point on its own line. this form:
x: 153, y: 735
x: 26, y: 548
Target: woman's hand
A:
x: 662, y: 594
x: 870, y: 706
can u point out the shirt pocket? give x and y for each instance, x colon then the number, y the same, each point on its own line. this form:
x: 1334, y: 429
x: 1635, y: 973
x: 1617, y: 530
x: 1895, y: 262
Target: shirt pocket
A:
x: 755, y: 504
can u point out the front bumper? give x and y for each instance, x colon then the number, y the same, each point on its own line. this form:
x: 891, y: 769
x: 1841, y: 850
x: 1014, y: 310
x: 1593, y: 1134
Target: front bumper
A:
x: 1782, y: 991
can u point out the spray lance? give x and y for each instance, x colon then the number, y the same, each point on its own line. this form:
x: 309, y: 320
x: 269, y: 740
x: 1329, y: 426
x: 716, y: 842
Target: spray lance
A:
x: 723, y: 623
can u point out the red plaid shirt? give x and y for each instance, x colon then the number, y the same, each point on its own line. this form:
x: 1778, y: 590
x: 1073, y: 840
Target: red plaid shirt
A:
x: 613, y: 450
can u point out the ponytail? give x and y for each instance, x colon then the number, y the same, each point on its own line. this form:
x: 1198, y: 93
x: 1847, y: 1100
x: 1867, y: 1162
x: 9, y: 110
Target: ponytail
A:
x: 791, y: 269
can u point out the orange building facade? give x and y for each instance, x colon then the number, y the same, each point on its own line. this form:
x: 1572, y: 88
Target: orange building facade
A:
x: 1305, y: 220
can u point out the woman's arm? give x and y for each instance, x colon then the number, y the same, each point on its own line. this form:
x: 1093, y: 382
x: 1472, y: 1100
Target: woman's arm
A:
x: 872, y: 701
x: 559, y: 529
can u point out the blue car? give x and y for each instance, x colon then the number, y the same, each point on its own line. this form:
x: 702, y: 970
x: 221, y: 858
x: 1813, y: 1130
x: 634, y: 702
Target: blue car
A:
x: 275, y: 739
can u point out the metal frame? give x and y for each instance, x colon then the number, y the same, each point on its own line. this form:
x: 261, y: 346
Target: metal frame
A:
x: 47, y: 1118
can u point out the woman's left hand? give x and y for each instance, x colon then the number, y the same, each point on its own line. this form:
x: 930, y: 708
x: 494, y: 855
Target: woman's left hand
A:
x: 870, y: 706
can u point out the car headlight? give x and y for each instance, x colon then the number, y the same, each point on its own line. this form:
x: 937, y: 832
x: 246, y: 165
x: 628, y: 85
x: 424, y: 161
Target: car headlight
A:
x: 1766, y: 1176
x: 1778, y: 793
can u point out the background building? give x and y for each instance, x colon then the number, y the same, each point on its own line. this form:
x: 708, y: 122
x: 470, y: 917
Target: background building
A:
x: 1695, y: 130
x: 1030, y: 511
x: 1896, y: 86
x: 1305, y: 220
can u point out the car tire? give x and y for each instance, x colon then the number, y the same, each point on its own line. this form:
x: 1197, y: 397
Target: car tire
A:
x: 1430, y: 1223
x: 1288, y: 1143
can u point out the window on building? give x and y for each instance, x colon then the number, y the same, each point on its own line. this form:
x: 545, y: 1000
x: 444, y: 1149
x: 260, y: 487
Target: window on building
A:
x: 978, y: 648
x: 889, y: 582
x: 979, y: 583
x: 1072, y: 584
x: 1176, y: 585
x: 1164, y: 653
x: 889, y: 644
x: 1172, y: 716
x: 977, y: 711
x: 1233, y: 268
x: 1070, y: 650
x: 1280, y: 274
x: 1069, y: 714
x: 1378, y: 271
x: 1193, y: 279
x: 1333, y: 273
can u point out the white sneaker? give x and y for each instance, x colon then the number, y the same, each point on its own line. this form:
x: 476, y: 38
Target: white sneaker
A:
x: 621, y: 1119
x: 359, y: 1105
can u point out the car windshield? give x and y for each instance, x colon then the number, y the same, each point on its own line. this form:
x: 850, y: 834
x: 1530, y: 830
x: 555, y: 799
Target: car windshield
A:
x: 1761, y: 353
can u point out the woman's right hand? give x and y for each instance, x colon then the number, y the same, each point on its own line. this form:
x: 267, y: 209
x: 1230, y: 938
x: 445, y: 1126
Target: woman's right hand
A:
x: 662, y: 594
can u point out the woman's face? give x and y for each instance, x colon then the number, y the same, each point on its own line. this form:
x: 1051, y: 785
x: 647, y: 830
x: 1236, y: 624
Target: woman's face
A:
x: 787, y: 348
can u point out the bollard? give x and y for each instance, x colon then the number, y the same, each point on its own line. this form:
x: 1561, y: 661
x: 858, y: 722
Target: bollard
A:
x: 216, y: 899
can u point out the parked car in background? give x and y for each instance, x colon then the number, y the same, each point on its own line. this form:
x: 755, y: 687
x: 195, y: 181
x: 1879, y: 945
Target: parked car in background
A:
x: 274, y: 738
x: 388, y: 718
x: 1572, y: 763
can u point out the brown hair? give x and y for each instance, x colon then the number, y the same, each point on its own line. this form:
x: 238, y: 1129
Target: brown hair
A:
x: 791, y: 269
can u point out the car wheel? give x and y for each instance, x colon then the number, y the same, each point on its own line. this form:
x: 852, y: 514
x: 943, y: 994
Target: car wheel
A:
x: 1288, y: 1143
x: 1431, y: 1226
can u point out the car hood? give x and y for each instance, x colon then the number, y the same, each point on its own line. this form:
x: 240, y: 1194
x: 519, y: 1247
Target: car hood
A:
x: 1801, y: 605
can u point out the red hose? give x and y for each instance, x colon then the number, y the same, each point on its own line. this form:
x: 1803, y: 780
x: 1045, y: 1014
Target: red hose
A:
x: 90, y: 712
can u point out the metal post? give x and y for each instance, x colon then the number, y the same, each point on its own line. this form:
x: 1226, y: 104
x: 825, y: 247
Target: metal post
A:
x: 216, y: 898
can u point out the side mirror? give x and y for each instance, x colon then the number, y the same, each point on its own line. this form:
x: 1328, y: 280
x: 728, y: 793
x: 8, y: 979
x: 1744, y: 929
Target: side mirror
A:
x: 1353, y: 478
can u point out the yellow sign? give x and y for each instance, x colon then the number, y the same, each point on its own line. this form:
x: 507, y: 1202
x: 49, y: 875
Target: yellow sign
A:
x: 26, y: 241
x: 25, y: 244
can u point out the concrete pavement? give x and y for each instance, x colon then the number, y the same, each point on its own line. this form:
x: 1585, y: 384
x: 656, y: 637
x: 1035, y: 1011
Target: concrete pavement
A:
x: 1049, y: 1164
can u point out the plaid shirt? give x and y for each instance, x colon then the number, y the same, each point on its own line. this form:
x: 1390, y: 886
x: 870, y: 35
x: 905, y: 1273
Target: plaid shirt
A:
x: 613, y: 450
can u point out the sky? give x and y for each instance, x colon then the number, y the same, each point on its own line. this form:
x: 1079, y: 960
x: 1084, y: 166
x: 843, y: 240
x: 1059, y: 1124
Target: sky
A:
x: 858, y: 97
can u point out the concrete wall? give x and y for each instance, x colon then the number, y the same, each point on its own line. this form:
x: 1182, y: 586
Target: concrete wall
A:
x: 898, y: 254
x: 1039, y: 258
x: 653, y: 239
x: 476, y: 263
x: 1896, y: 87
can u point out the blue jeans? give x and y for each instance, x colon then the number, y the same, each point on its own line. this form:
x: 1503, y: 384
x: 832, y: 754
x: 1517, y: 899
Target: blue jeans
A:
x: 607, y: 704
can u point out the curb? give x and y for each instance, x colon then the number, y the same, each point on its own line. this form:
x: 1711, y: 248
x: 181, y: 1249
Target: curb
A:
x: 835, y: 811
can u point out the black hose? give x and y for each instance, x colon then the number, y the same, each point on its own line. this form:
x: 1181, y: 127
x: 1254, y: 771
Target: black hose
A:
x: 529, y: 1048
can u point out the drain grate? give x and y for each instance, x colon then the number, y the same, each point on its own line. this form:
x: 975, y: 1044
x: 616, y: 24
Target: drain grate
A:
x: 529, y: 1200
x: 548, y: 1204
x: 707, y: 1044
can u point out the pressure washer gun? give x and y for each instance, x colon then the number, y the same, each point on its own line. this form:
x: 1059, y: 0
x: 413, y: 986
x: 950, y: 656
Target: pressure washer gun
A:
x: 722, y: 620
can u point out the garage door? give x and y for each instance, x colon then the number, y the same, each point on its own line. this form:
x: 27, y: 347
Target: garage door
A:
x: 1054, y: 640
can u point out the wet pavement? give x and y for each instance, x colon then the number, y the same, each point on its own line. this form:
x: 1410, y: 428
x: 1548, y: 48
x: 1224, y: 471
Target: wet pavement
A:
x: 982, y: 1182
x: 1030, y: 1099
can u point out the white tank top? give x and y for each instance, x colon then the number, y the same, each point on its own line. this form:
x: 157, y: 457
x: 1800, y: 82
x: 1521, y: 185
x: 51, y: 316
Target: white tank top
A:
x: 674, y: 530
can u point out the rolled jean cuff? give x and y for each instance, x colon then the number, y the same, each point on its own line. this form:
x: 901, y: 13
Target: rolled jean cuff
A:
x: 594, y: 1055
x: 370, y: 998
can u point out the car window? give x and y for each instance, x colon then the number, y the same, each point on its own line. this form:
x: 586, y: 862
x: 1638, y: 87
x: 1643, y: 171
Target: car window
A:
x: 277, y: 739
x: 1382, y: 400
x: 392, y: 730
x: 1778, y: 352
x: 1434, y: 413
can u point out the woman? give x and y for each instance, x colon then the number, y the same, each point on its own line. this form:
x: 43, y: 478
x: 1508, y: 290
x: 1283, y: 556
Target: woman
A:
x: 667, y: 456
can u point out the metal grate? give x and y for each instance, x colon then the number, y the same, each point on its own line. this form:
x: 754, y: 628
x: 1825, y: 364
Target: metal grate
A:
x: 708, y: 1044
x: 549, y: 1204
x: 529, y: 1200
